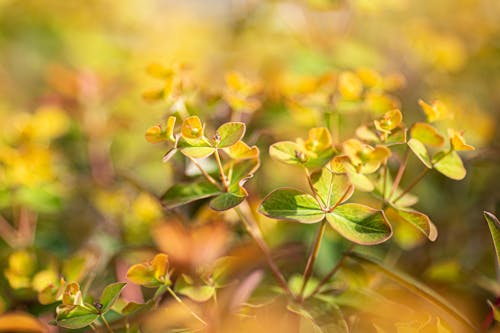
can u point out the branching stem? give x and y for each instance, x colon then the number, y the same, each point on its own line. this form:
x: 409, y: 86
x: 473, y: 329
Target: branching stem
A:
x: 312, y: 258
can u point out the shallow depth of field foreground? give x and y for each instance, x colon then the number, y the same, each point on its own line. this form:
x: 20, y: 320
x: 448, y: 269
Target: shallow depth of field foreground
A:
x: 308, y: 166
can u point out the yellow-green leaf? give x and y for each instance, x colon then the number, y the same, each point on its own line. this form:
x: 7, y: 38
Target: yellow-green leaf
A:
x: 181, y: 194
x: 420, y: 221
x: 360, y: 224
x: 332, y: 188
x: 494, y: 226
x: 228, y: 134
x: 293, y: 205
x: 427, y: 134
x: 110, y: 295
x: 449, y: 164
x: 420, y: 151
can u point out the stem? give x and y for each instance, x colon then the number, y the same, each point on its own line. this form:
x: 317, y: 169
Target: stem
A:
x: 412, y: 185
x: 106, y: 323
x: 8, y: 233
x: 221, y: 170
x: 349, y: 188
x: 174, y: 295
x: 315, y: 193
x: 312, y: 258
x: 253, y: 230
x: 399, y: 175
x: 384, y: 186
x: 205, y: 174
x: 332, y: 272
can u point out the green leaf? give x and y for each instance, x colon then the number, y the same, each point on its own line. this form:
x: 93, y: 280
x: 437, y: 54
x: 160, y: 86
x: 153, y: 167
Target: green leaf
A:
x: 295, y: 284
x: 417, y: 219
x: 317, y: 160
x: 416, y: 287
x: 132, y: 307
x: 195, y: 148
x: 427, y: 134
x: 197, y: 293
x: 238, y: 171
x: 110, y: 295
x: 75, y: 317
x: 494, y: 226
x: 181, y: 194
x: 228, y: 134
x: 288, y: 152
x: 332, y: 188
x: 449, y: 164
x: 420, y: 151
x: 198, y: 152
x: 291, y: 204
x: 398, y: 136
x: 227, y: 200
x: 360, y: 224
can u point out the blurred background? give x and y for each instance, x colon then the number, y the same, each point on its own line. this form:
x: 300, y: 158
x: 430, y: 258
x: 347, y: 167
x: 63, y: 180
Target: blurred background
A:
x: 72, y: 115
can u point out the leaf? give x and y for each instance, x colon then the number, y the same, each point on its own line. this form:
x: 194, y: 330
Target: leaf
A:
x: 76, y: 317
x: 288, y: 152
x: 227, y: 200
x: 332, y: 188
x: 241, y: 151
x: 110, y: 295
x: 142, y: 275
x: 420, y: 151
x: 132, y: 307
x: 426, y: 134
x: 184, y: 193
x: 291, y: 204
x: 494, y: 226
x: 360, y: 224
x: 449, y: 164
x: 416, y: 287
x: 417, y: 219
x: 397, y: 136
x: 197, y: 293
x: 238, y: 171
x: 20, y: 322
x: 198, y: 152
x: 319, y: 140
x: 228, y: 134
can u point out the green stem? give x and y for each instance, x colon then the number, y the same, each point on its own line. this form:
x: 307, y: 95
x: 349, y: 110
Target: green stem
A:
x: 384, y: 186
x: 412, y: 185
x: 221, y: 170
x: 110, y: 330
x: 174, y: 295
x: 332, y: 272
x: 312, y: 258
x: 315, y: 193
x: 253, y: 230
x: 400, y: 173
x: 204, y: 173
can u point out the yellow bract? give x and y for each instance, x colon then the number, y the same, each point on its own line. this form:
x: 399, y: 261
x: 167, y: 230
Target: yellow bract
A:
x: 350, y: 86
x: 151, y: 274
x: 156, y: 134
x: 72, y: 295
x: 389, y: 121
x: 192, y: 128
x: 318, y: 140
x: 457, y: 141
x: 434, y: 111
x: 365, y: 158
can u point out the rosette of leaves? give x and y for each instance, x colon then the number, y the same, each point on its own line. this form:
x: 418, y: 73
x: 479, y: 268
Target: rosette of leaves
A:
x: 75, y: 312
x: 330, y: 191
x: 242, y: 161
x: 446, y: 161
x: 387, y: 130
x: 359, y: 160
x: 314, y: 152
